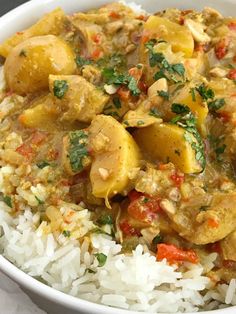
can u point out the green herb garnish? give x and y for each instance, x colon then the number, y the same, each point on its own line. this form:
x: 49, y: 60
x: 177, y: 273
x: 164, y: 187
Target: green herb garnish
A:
x: 140, y: 122
x: 216, y: 104
x: 192, y: 91
x: 39, y: 200
x: 7, y: 200
x: 204, y: 92
x: 187, y: 121
x: 158, y: 239
x: 78, y: 149
x: 113, y: 77
x: 154, y: 113
x: 179, y: 108
x: 116, y: 102
x: 42, y: 164
x: 105, y: 219
x: 80, y: 61
x: 166, y: 70
x: 102, y: 258
x: 66, y: 233
x: 163, y: 94
x: 60, y: 88
x: 219, y: 151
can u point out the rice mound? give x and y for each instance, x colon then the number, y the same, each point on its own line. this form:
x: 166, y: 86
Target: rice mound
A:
x: 135, y: 282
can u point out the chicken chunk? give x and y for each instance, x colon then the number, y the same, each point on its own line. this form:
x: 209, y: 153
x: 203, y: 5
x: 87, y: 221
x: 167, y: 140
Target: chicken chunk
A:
x: 212, y: 223
x: 79, y: 99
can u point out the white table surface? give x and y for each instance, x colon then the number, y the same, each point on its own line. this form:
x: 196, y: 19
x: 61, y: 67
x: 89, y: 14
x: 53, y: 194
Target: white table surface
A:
x: 13, y: 300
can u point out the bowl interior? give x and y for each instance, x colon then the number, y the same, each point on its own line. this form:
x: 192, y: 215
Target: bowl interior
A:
x: 22, y: 17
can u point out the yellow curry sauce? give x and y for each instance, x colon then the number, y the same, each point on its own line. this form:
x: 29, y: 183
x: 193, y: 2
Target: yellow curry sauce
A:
x: 134, y: 116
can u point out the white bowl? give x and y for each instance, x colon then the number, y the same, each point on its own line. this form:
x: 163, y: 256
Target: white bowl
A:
x: 52, y: 300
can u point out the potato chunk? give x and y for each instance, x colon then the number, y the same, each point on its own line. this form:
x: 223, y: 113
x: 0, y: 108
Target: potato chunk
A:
x: 82, y: 101
x: 160, y: 27
x: 115, y: 154
x: 166, y: 142
x: 209, y: 226
x: 42, y: 115
x: 29, y: 64
x: 228, y: 247
x: 195, y: 103
x: 50, y: 24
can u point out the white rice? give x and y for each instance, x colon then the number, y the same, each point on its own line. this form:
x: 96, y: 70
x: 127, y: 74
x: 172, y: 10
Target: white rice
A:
x: 135, y: 282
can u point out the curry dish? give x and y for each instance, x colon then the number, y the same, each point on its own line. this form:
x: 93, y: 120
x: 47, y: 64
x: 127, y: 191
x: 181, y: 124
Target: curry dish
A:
x: 133, y: 117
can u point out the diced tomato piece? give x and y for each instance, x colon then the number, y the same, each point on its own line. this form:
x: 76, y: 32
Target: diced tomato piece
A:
x: 25, y: 150
x: 225, y: 116
x: 133, y: 195
x: 142, y: 17
x: 232, y: 74
x: 144, y: 208
x: 96, y: 38
x: 114, y: 15
x: 143, y: 86
x: 178, y: 179
x: 229, y: 264
x: 163, y: 166
x: 124, y: 93
x: 37, y: 138
x: 96, y: 53
x: 128, y: 230
x: 174, y: 254
x: 221, y: 48
x: 232, y: 26
x: 213, y: 223
x: 214, y: 247
x: 145, y: 36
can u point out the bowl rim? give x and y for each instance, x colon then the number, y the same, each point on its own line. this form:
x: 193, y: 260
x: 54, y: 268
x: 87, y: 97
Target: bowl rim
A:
x: 29, y: 282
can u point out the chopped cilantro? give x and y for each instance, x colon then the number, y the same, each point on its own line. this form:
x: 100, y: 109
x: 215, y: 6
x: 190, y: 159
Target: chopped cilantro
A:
x: 219, y: 151
x: 112, y: 77
x: 204, y: 92
x: 179, y: 108
x: 7, y: 200
x: 157, y: 239
x: 192, y: 91
x: 166, y: 70
x: 163, y: 94
x: 98, y: 230
x: 43, y: 164
x: 105, y: 219
x: 216, y: 104
x: 116, y: 102
x: 78, y: 149
x: 39, y: 200
x: 102, y: 258
x: 66, y: 233
x: 154, y: 113
x: 80, y: 61
x: 187, y: 120
x: 145, y: 200
x: 60, y: 88
x: 178, y: 68
x: 132, y: 86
